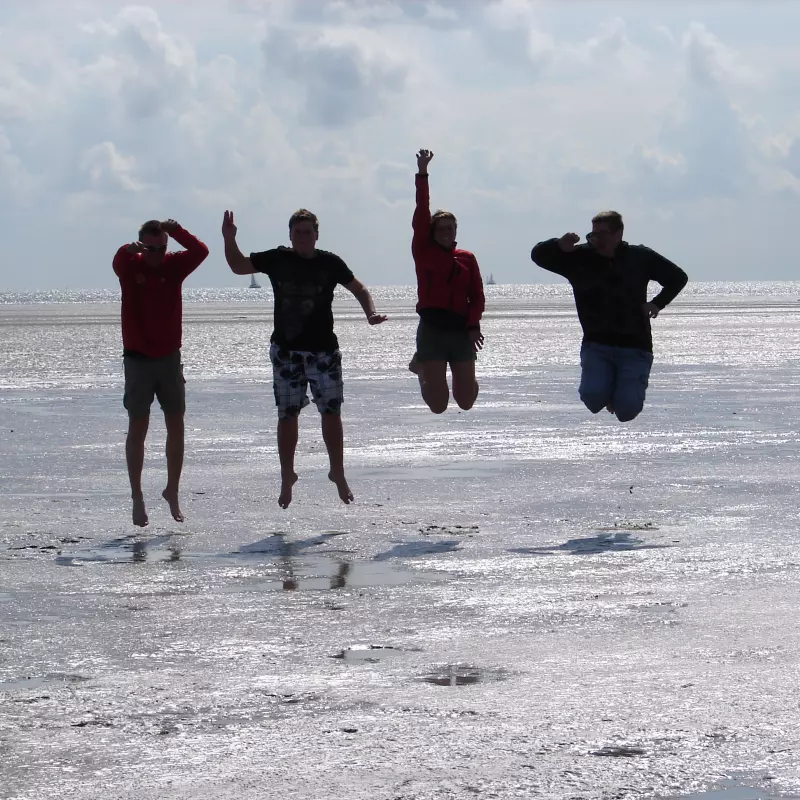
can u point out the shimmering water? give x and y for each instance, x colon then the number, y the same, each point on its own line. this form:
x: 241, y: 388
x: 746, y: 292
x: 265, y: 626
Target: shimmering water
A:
x: 72, y: 339
x: 525, y: 600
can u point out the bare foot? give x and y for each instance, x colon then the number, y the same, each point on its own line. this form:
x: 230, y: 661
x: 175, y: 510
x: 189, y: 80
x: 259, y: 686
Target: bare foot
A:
x: 610, y: 409
x: 139, y: 512
x: 345, y: 494
x: 287, y: 482
x: 172, y: 500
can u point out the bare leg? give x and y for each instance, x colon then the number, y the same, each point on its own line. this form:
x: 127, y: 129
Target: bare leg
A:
x: 465, y: 387
x: 433, y: 385
x: 175, y: 438
x: 134, y: 455
x: 288, y: 431
x: 333, y: 437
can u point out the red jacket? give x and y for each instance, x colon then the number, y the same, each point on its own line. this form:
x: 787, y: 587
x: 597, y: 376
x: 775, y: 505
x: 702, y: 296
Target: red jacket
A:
x: 446, y: 279
x: 152, y: 306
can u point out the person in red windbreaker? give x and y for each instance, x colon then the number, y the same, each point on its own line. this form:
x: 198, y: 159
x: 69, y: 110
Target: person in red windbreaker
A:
x: 450, y: 303
x: 152, y: 309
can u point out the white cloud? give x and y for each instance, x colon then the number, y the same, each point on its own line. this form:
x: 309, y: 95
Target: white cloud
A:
x: 513, y: 32
x: 712, y: 61
x: 343, y: 74
x: 108, y: 170
x: 151, y: 68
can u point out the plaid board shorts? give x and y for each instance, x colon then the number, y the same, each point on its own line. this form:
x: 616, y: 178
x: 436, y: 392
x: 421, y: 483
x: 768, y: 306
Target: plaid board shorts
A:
x: 294, y: 370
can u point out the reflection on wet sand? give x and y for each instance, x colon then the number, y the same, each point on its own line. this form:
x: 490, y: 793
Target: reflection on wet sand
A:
x: 463, y: 675
x: 139, y: 552
x: 290, y: 582
x: 301, y: 564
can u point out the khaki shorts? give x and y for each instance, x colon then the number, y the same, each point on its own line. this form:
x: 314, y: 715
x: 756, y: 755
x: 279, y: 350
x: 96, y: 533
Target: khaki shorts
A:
x: 148, y: 378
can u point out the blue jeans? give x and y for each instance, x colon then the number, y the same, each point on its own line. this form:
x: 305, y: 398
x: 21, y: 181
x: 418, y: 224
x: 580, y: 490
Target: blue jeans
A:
x: 616, y: 377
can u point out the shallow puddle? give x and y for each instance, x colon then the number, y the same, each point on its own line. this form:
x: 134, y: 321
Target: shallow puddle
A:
x: 324, y: 574
x: 37, y: 681
x: 172, y: 547
x: 126, y: 550
x: 463, y: 675
x: 280, y: 564
x: 735, y: 789
x: 735, y: 793
x: 366, y: 653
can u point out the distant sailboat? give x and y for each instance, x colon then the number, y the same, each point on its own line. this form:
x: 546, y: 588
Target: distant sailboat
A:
x: 253, y: 284
x: 490, y: 281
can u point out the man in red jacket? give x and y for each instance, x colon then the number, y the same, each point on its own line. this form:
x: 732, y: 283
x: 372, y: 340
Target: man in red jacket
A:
x: 450, y: 303
x: 151, y: 281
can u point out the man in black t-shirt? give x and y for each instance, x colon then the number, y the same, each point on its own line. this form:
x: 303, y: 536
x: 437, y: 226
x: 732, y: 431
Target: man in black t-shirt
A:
x: 304, y: 349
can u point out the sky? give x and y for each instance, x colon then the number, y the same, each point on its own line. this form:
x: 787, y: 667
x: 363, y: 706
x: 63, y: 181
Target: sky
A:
x: 681, y: 116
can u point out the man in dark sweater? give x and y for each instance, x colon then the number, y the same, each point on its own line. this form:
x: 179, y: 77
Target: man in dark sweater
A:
x: 609, y: 280
x: 152, y: 311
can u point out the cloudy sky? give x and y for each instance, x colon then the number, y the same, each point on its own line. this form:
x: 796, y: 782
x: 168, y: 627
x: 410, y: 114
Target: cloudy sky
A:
x: 682, y: 116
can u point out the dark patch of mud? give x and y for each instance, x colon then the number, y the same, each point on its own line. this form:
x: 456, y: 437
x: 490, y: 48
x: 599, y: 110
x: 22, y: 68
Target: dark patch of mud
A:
x: 463, y: 675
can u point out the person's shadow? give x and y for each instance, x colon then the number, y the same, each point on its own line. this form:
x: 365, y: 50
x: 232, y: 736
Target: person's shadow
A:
x: 277, y: 544
x: 414, y: 549
x: 591, y: 545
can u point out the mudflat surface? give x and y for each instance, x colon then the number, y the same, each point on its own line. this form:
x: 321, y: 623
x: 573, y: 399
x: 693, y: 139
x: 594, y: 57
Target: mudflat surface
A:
x: 524, y: 601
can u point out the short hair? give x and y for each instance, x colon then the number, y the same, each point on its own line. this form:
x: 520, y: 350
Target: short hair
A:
x: 151, y: 228
x: 440, y: 215
x: 303, y: 215
x: 611, y: 218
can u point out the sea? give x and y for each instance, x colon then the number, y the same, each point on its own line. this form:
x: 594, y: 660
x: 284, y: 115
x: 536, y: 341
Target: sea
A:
x: 525, y: 600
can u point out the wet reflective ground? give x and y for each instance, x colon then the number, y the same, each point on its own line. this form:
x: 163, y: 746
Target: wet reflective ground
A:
x: 525, y: 600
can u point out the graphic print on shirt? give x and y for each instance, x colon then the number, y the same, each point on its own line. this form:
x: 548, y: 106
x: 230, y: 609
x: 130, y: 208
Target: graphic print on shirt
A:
x: 299, y: 301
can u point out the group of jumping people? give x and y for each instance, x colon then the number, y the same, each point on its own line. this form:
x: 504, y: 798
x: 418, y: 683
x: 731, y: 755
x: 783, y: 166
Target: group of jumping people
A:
x: 609, y: 279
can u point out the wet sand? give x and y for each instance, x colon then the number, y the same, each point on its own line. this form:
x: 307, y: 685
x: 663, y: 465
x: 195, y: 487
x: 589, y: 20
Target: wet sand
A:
x: 524, y: 601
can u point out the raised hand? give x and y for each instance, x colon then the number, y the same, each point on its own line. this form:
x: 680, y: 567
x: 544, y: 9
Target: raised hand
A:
x: 135, y: 247
x: 169, y: 226
x: 423, y: 159
x: 228, y: 226
x: 568, y: 241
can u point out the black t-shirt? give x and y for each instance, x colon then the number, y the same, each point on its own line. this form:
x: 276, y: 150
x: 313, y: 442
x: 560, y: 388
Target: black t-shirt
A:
x: 303, y: 290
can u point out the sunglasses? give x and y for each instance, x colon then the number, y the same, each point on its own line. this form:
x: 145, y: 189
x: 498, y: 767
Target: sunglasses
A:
x: 155, y: 248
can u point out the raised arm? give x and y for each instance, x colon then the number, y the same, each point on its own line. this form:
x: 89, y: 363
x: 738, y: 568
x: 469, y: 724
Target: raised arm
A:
x: 195, y: 252
x: 125, y: 258
x: 555, y: 255
x: 239, y: 263
x: 421, y: 222
x: 671, y: 277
